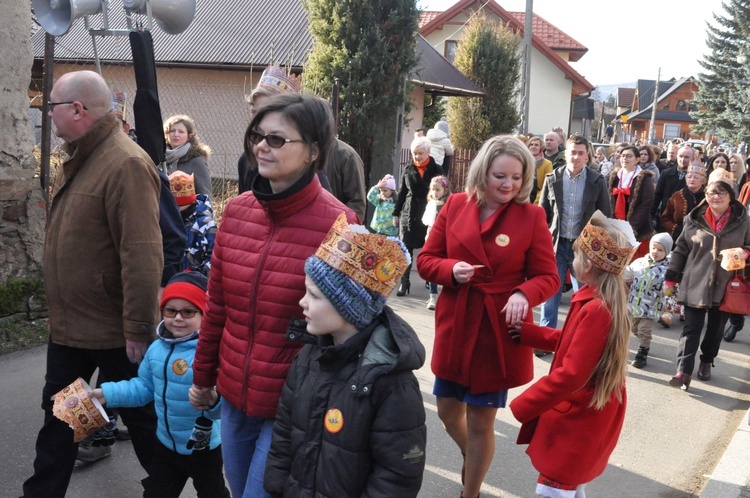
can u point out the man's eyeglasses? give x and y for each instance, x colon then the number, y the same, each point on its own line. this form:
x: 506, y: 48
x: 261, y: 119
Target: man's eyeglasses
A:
x: 186, y: 313
x: 627, y: 156
x: 52, y: 105
x: 273, y: 141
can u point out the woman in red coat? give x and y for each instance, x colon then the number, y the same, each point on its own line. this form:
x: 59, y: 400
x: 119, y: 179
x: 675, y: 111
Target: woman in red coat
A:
x: 491, y: 250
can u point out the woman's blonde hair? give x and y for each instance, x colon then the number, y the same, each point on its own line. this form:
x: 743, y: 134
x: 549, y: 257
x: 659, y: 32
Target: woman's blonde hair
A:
x: 500, y: 145
x: 610, y: 372
x: 740, y: 166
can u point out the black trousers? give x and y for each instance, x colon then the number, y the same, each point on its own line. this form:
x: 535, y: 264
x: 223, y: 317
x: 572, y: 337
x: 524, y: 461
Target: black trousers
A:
x: 695, y: 319
x: 55, y: 449
x: 737, y: 320
x: 171, y: 470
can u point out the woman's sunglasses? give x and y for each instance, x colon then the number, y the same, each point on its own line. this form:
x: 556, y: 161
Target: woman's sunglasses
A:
x: 273, y: 141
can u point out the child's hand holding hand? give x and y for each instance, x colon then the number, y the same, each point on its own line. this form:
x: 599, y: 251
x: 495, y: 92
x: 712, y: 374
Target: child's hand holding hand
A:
x: 515, y: 332
x: 201, y: 398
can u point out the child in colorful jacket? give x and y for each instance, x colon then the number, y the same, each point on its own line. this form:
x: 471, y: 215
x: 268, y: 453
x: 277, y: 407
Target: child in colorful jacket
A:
x: 646, y: 301
x: 198, y: 217
x: 382, y: 197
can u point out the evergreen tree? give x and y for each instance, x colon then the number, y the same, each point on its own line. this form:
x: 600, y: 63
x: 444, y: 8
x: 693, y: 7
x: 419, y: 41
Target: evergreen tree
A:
x: 724, y: 103
x: 435, y: 112
x: 489, y: 56
x: 370, y: 46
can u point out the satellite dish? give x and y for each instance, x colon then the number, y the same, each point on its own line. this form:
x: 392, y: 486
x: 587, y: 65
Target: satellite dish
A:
x: 172, y: 16
x: 57, y: 16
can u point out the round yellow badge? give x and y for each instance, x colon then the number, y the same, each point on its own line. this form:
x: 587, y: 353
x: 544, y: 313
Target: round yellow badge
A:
x: 384, y: 270
x: 334, y: 420
x: 502, y: 240
x: 180, y: 367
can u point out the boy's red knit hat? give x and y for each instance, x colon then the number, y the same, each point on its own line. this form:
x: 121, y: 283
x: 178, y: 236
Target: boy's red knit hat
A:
x: 188, y: 285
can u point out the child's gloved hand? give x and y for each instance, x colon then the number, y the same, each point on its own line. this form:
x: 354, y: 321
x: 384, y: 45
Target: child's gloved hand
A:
x: 201, y: 436
x: 515, y: 332
x: 668, y: 289
x: 107, y: 434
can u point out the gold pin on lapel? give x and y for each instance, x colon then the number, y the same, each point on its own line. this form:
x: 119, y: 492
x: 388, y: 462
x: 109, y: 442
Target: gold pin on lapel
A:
x: 502, y: 240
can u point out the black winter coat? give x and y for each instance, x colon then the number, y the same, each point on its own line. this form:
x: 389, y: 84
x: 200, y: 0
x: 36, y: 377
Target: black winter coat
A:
x: 351, y: 421
x: 412, y: 201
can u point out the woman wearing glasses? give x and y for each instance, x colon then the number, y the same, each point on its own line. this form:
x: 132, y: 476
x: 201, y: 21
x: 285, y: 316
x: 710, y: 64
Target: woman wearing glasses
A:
x: 719, y: 222
x: 632, y: 189
x: 683, y: 201
x: 257, y: 279
x: 186, y: 153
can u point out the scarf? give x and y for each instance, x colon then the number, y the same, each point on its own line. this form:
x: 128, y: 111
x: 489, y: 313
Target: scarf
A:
x: 421, y: 167
x: 717, y: 224
x: 621, y: 195
x: 173, y: 155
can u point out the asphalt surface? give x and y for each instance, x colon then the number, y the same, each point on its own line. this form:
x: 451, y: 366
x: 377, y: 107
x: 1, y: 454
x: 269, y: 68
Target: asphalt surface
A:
x: 674, y: 443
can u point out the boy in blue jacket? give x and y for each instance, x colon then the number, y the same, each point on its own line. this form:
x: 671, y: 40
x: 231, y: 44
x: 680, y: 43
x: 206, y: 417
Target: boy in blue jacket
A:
x: 190, y: 446
x: 350, y: 420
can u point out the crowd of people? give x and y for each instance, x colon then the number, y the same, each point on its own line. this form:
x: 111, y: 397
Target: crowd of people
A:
x: 278, y: 367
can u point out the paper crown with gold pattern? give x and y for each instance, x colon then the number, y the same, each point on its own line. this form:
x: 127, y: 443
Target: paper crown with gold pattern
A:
x: 602, y: 249
x: 722, y: 175
x: 183, y: 188
x: 119, y: 105
x: 276, y: 80
x: 357, y: 270
x: 693, y: 168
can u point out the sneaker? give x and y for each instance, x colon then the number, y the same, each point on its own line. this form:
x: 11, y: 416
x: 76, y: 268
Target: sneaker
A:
x: 431, y: 302
x: 122, y: 434
x: 540, y: 353
x: 90, y: 453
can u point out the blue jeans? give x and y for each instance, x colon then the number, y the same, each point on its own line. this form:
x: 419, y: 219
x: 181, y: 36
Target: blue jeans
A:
x: 244, y: 445
x: 564, y: 256
x: 55, y: 449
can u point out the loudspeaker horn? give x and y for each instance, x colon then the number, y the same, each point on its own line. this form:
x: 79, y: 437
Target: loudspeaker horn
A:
x: 57, y: 16
x: 172, y: 16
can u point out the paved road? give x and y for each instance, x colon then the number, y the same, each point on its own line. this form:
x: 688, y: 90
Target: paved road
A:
x: 670, y: 445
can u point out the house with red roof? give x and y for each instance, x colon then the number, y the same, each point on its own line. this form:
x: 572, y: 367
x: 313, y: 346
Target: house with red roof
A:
x: 554, y: 82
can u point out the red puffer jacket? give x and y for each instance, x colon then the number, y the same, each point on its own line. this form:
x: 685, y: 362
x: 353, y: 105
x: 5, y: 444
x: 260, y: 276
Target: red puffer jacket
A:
x: 257, y: 279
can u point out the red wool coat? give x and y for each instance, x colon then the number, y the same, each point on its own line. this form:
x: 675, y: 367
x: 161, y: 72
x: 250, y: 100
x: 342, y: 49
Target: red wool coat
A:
x: 257, y: 279
x: 472, y: 346
x: 569, y: 441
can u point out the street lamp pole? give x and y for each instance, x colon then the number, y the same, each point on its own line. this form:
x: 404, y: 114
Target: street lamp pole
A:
x: 526, y: 78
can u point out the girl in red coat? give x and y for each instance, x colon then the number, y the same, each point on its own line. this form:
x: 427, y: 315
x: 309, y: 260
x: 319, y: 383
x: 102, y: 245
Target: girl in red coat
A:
x: 572, y: 417
x: 491, y: 250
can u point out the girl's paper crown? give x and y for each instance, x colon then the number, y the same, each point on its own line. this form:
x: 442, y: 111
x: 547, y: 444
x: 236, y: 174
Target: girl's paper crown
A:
x: 602, y: 249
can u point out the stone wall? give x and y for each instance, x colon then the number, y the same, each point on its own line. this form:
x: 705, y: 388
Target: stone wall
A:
x: 22, y: 210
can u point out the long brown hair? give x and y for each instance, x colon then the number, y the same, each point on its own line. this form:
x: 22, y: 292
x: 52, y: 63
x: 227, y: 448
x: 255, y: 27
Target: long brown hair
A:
x: 610, y: 372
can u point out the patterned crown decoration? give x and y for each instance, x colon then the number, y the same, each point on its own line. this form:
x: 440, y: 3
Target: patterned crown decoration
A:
x: 721, y: 175
x: 602, y: 249
x: 276, y: 80
x: 374, y: 261
x: 119, y: 105
x: 693, y: 168
x: 183, y: 187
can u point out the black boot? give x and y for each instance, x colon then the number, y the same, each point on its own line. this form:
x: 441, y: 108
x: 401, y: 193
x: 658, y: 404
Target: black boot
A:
x: 640, y: 357
x: 730, y: 333
x: 403, y: 289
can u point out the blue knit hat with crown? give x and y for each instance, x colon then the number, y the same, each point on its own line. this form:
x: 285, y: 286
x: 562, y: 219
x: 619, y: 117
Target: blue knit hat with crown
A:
x: 357, y: 270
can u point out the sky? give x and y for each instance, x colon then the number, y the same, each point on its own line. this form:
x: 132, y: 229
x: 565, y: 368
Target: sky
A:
x: 646, y: 34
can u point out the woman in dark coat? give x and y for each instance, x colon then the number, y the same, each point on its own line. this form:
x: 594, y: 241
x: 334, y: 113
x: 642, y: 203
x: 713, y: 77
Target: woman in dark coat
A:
x: 186, y: 153
x: 412, y: 201
x: 633, y: 196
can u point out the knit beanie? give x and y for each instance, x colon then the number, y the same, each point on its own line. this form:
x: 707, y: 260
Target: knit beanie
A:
x: 390, y: 182
x: 188, y: 285
x: 442, y: 125
x: 357, y: 270
x: 664, y: 239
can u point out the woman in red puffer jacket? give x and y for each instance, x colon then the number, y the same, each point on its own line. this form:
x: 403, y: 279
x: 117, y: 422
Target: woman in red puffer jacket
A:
x: 257, y: 279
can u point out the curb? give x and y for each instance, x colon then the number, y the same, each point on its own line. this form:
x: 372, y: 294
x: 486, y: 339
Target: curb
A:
x: 731, y: 477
